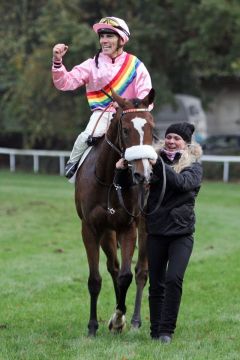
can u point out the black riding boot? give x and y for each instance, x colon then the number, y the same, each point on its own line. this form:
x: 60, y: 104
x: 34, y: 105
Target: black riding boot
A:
x: 71, y: 168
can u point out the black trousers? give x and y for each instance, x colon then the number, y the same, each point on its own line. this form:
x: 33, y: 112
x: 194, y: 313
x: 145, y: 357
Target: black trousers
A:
x: 168, y: 259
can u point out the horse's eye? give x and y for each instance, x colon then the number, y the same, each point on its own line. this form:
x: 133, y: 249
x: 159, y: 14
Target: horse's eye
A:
x: 125, y: 131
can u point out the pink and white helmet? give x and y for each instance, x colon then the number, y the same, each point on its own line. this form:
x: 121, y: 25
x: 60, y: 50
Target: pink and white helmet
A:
x: 115, y: 24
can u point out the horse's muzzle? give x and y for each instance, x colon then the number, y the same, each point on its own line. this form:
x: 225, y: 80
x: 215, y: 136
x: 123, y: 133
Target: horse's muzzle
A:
x: 141, y: 171
x: 138, y: 178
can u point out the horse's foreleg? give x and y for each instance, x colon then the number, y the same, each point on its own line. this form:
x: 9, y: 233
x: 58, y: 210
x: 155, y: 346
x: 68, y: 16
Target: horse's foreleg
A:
x: 141, y: 273
x: 127, y: 241
x: 94, y: 287
x: 94, y: 280
x: 109, y: 246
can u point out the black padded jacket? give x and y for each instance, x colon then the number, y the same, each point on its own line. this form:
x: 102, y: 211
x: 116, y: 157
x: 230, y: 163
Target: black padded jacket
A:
x: 175, y: 216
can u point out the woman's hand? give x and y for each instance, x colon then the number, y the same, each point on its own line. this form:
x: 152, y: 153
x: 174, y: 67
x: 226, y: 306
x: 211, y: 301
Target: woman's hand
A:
x: 121, y: 164
x: 59, y: 50
x: 152, y: 161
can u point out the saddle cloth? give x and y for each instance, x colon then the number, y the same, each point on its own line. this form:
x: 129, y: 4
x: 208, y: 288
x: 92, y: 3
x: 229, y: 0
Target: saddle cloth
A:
x: 84, y: 155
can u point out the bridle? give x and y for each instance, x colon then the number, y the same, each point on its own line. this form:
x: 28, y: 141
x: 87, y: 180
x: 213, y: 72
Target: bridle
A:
x: 142, y: 193
x: 141, y: 196
x: 120, y: 151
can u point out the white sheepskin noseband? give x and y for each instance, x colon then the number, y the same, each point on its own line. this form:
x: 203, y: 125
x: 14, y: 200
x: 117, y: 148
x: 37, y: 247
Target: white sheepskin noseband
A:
x: 140, y: 152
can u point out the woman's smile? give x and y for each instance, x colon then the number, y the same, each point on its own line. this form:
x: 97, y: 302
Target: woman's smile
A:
x: 174, y: 142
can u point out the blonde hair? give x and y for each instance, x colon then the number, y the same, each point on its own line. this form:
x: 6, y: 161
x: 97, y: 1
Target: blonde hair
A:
x: 191, y: 154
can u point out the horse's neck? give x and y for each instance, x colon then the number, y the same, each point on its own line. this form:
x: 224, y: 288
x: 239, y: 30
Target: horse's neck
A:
x: 107, y: 158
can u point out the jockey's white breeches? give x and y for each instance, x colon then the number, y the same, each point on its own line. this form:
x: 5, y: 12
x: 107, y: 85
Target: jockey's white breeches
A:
x: 80, y: 144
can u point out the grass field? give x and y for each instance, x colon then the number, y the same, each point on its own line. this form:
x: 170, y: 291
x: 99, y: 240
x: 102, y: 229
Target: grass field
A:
x: 44, y: 299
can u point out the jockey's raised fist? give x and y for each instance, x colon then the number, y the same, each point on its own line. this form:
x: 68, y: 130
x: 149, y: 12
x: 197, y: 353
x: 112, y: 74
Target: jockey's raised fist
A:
x: 59, y: 50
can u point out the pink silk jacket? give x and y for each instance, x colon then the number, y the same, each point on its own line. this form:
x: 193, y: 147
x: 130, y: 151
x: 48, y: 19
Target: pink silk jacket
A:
x: 95, y: 78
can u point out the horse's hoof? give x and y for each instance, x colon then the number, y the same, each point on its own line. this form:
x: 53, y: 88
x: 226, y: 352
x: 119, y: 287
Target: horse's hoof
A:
x: 92, y: 328
x: 136, y: 324
x: 92, y: 333
x: 117, y: 323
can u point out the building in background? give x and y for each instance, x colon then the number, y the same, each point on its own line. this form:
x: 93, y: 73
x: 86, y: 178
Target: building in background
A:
x: 185, y: 108
x: 223, y: 110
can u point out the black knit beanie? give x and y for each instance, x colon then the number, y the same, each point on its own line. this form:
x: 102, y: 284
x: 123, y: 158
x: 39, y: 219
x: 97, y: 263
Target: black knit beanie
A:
x: 184, y: 129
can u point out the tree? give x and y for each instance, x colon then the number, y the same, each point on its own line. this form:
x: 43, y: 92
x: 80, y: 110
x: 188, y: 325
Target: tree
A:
x: 180, y: 42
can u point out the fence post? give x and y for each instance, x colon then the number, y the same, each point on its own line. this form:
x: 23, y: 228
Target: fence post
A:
x: 35, y: 163
x: 61, y: 165
x: 12, y: 162
x: 225, y: 171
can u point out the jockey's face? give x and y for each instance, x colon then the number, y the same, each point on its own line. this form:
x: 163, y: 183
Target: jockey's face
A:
x: 110, y: 44
x: 174, y: 142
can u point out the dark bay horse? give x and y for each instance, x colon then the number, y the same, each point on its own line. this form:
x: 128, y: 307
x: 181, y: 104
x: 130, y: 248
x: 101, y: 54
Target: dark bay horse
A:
x: 107, y: 221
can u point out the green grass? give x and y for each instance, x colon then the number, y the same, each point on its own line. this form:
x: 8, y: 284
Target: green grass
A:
x: 44, y: 302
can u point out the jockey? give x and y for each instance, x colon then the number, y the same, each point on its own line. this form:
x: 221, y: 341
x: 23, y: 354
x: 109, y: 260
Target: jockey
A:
x: 111, y: 67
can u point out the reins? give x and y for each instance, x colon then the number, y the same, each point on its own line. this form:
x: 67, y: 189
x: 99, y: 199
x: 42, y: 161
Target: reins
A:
x: 160, y: 197
x: 118, y: 189
x: 100, y: 118
x: 113, y: 146
x: 142, y: 197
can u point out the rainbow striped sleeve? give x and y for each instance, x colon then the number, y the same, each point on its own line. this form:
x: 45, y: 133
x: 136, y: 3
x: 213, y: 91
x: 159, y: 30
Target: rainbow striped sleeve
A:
x: 120, y: 82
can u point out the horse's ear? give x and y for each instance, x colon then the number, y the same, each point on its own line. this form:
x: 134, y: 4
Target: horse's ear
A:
x: 148, y: 100
x: 117, y: 98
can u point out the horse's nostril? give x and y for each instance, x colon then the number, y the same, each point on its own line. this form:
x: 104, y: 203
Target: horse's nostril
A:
x: 139, y: 178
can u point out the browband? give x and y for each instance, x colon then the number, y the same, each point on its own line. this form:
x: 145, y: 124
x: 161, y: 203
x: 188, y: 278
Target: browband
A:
x: 134, y: 110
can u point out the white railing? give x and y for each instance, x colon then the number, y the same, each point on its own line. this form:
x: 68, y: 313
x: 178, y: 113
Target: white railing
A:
x: 62, y: 155
x: 35, y: 154
x: 225, y: 159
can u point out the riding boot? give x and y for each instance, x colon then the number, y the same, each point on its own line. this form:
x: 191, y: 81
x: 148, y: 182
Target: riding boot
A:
x: 79, y: 147
x: 155, y: 316
x: 71, y: 168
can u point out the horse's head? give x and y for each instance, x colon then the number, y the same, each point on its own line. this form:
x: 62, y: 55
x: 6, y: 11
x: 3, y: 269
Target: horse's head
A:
x: 136, y: 135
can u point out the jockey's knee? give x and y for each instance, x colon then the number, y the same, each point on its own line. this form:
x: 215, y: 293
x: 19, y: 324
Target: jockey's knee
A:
x: 82, y: 137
